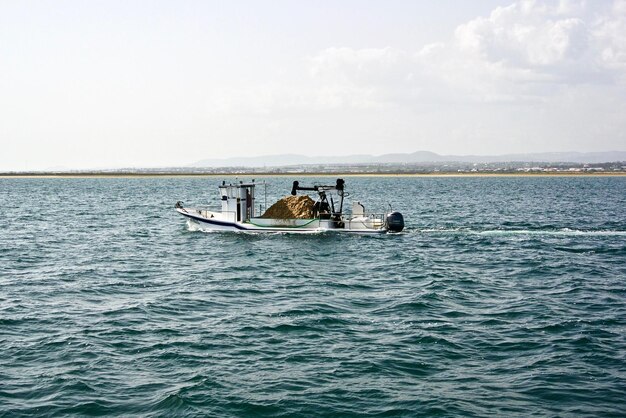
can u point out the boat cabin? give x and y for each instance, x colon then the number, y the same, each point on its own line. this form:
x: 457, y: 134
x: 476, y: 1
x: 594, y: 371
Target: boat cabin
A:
x: 238, y: 201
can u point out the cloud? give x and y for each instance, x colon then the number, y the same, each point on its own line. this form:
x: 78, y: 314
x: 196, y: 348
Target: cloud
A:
x: 365, y: 78
x: 365, y: 65
x: 566, y: 42
x: 518, y: 38
x: 527, y: 50
x: 522, y: 53
x: 335, y: 78
x: 610, y: 36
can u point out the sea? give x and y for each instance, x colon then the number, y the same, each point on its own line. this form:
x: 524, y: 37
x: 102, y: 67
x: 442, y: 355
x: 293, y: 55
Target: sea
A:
x: 503, y: 296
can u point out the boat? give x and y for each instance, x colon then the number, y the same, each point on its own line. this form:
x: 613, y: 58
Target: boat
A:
x: 239, y: 212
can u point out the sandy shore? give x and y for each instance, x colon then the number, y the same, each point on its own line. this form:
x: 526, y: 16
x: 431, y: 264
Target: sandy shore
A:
x: 338, y: 174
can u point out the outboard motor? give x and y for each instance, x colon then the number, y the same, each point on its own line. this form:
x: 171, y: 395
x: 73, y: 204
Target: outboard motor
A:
x: 395, y: 222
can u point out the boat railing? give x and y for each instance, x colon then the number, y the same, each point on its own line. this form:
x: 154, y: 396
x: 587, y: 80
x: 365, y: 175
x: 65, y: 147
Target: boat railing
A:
x: 376, y: 220
x: 380, y: 216
x: 207, y: 211
x: 202, y: 211
x: 210, y: 208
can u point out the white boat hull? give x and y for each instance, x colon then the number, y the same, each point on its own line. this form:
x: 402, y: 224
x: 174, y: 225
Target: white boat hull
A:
x: 218, y: 222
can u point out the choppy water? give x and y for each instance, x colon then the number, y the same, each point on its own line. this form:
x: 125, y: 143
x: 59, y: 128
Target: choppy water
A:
x: 504, y: 296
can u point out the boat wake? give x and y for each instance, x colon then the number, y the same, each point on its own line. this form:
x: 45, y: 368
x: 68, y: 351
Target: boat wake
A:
x: 196, y: 227
x: 530, y: 232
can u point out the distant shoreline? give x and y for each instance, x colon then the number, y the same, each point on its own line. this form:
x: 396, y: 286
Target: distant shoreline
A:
x: 325, y: 174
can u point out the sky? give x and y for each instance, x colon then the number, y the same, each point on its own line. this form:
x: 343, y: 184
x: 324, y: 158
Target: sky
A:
x: 111, y: 84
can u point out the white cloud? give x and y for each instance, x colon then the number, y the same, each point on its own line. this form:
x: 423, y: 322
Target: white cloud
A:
x: 365, y: 65
x: 365, y: 78
x: 610, y: 37
x: 567, y: 42
x: 525, y: 51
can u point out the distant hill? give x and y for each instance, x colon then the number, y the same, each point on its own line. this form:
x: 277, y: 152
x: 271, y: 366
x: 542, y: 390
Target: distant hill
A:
x: 413, y: 158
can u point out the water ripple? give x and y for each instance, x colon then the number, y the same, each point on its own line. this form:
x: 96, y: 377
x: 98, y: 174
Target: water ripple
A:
x: 499, y: 298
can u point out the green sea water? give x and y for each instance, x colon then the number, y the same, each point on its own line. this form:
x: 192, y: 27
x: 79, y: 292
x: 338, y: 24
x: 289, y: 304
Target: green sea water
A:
x: 503, y: 296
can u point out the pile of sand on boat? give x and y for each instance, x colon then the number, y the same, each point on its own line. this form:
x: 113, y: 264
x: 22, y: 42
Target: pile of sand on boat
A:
x: 290, y: 207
